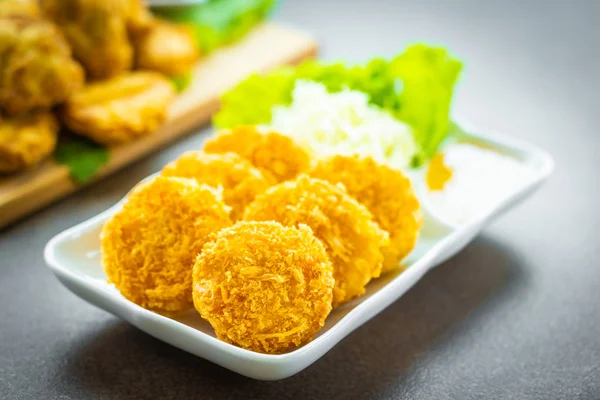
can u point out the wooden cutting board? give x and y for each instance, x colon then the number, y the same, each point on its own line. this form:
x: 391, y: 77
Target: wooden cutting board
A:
x: 266, y: 47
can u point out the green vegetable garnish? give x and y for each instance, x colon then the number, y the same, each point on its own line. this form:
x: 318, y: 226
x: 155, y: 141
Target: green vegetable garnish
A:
x: 219, y: 22
x: 415, y: 87
x: 181, y: 82
x: 250, y: 102
x: 428, y: 78
x: 83, y: 157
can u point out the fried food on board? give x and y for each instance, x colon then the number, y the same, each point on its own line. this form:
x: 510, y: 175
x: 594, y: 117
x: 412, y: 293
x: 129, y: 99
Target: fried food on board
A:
x: 166, y: 48
x: 386, y: 192
x: 240, y: 181
x: 352, y: 238
x: 149, y: 247
x: 19, y: 8
x: 98, y: 31
x: 263, y: 286
x: 36, y: 68
x: 25, y: 140
x: 120, y: 109
x: 272, y: 152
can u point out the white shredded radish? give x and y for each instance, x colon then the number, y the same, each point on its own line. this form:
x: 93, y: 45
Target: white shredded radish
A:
x: 344, y: 123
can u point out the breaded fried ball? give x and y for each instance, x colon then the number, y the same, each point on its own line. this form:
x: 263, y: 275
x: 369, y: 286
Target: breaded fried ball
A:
x: 352, y: 238
x: 386, y: 192
x: 273, y: 152
x: 149, y: 247
x: 26, y: 140
x: 241, y: 182
x: 263, y: 286
x: 98, y: 31
x: 120, y: 109
x: 19, y: 8
x: 36, y: 68
x: 167, y: 48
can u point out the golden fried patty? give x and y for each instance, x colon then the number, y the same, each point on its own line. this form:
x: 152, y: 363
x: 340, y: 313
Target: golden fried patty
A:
x: 36, y: 68
x: 263, y: 286
x: 26, y: 140
x: 98, y: 31
x: 271, y: 152
x: 120, y: 109
x: 240, y: 181
x: 352, y: 238
x: 19, y: 8
x: 150, y: 245
x: 166, y: 48
x: 386, y: 192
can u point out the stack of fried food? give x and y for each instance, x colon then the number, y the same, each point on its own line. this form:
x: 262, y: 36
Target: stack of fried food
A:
x: 73, y: 61
x: 262, y: 239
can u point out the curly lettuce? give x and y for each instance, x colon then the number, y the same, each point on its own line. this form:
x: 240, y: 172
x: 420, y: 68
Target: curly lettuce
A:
x: 416, y: 87
x: 216, y: 23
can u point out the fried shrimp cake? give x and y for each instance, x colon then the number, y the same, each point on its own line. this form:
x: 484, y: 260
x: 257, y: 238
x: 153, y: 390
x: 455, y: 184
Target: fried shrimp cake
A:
x: 352, y: 238
x: 241, y: 182
x: 272, y: 152
x: 263, y: 286
x: 26, y: 140
x: 120, y: 109
x: 386, y: 192
x: 19, y: 8
x: 165, y: 47
x: 149, y: 247
x: 98, y: 32
x: 36, y: 68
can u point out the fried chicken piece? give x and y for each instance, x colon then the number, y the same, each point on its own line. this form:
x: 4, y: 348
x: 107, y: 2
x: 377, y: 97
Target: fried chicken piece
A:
x: 352, y: 238
x: 98, y: 31
x: 120, y: 109
x: 386, y: 192
x: 149, y: 247
x: 19, y: 8
x: 166, y: 48
x: 26, y: 140
x: 239, y: 180
x: 36, y: 68
x: 272, y: 152
x: 263, y: 286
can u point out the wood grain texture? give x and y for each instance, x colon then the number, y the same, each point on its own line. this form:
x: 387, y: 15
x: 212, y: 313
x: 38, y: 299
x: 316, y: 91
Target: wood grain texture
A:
x: 266, y: 47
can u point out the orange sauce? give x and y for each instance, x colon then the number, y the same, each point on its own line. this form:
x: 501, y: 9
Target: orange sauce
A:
x: 438, y: 173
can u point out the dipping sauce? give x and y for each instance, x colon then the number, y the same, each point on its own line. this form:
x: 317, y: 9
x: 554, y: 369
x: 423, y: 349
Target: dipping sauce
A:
x: 465, y: 181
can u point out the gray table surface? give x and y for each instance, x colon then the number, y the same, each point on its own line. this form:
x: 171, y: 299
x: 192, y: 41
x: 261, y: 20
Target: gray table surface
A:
x: 516, y: 315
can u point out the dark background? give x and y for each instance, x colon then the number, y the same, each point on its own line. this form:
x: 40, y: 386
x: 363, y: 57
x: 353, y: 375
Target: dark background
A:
x: 516, y: 315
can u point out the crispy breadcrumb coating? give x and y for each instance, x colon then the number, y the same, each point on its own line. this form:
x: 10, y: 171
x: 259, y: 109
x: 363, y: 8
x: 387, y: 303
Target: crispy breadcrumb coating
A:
x: 272, y: 152
x: 120, y: 109
x: 26, y: 140
x: 98, y: 31
x: 263, y: 286
x: 19, y: 8
x: 36, y: 68
x: 352, y: 238
x: 386, y: 192
x: 149, y: 247
x: 241, y: 182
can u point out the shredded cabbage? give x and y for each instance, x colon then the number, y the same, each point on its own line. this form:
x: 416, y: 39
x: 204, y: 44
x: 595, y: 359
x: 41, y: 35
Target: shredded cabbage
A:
x: 343, y: 123
x: 415, y: 87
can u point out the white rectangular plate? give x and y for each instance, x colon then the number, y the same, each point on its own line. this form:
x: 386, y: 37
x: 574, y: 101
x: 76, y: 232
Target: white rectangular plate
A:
x: 74, y: 257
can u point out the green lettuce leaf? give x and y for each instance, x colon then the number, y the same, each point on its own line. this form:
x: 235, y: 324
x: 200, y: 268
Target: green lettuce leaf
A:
x: 181, y: 82
x: 83, y: 157
x: 415, y: 87
x: 428, y: 78
x: 250, y: 102
x: 219, y: 22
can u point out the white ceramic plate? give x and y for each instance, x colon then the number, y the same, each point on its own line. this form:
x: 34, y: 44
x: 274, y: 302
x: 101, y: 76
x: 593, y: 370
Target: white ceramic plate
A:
x: 74, y: 257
